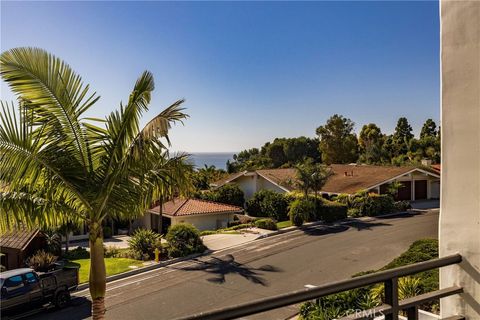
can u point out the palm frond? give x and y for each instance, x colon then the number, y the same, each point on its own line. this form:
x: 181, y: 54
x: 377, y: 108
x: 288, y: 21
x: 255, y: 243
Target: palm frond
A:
x: 52, y: 92
x: 26, y: 161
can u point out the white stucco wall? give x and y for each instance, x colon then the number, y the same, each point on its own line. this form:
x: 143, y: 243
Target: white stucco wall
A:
x: 248, y: 184
x: 264, y: 184
x: 459, y: 228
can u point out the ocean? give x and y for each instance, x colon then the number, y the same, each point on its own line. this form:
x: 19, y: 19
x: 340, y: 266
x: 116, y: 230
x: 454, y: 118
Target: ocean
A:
x: 217, y: 159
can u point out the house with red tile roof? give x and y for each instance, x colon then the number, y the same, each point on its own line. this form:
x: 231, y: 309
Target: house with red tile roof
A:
x: 418, y: 183
x: 203, y: 214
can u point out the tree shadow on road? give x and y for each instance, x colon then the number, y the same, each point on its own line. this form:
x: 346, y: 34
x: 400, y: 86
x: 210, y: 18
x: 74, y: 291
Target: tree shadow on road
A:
x: 344, y: 226
x: 220, y: 267
x: 324, y: 229
x: 365, y: 225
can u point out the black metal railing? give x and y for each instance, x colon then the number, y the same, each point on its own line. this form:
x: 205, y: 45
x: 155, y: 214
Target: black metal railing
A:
x: 390, y: 309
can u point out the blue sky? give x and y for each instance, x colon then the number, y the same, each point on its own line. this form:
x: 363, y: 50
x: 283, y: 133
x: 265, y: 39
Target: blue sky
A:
x: 249, y: 71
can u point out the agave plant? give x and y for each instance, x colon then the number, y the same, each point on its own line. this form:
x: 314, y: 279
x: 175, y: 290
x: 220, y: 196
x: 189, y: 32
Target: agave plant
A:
x: 57, y: 165
x: 41, y: 261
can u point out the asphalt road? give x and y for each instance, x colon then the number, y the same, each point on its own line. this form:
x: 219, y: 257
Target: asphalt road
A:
x: 262, y: 268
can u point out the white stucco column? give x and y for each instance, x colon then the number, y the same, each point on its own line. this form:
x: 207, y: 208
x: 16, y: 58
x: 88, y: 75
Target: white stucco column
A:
x: 459, y: 229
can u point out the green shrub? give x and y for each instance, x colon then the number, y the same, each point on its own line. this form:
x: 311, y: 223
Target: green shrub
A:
x: 111, y: 252
x: 301, y: 210
x: 183, y: 239
x: 77, y: 253
x: 402, y: 206
x: 41, y: 261
x: 267, y: 224
x: 341, y: 304
x: 329, y: 211
x: 343, y: 198
x: 144, y: 242
x: 271, y: 204
x: 354, y: 213
x: 229, y: 194
x: 338, y: 305
x: 419, y: 251
x: 131, y: 254
x: 367, y: 204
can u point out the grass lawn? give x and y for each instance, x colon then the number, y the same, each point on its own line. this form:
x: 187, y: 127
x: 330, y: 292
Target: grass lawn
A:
x: 113, y: 266
x: 284, y: 224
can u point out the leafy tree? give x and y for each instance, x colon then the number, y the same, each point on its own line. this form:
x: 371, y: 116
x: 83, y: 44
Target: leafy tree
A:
x: 58, y: 164
x: 203, y: 177
x: 268, y: 203
x: 338, y: 143
x: 251, y: 159
x: 275, y: 152
x: 229, y: 194
x: 429, y: 129
x: 281, y: 152
x: 371, y: 142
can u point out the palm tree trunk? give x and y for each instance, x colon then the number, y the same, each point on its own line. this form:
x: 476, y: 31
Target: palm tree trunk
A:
x: 97, y: 280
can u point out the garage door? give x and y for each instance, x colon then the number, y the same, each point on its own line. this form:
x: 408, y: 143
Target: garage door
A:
x: 405, y: 193
x: 420, y: 189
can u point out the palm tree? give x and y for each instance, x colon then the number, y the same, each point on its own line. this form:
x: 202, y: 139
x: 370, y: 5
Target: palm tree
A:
x: 57, y: 163
x: 312, y: 176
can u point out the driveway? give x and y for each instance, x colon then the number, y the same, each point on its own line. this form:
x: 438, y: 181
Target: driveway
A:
x: 425, y: 204
x: 223, y: 240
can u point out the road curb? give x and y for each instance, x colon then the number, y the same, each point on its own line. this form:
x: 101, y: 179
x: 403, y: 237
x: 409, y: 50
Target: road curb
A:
x: 315, y: 223
x: 153, y: 266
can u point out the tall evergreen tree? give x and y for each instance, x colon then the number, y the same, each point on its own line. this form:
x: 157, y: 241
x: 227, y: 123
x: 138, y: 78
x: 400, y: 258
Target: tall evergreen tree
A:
x: 429, y: 129
x: 371, y: 142
x: 401, y: 137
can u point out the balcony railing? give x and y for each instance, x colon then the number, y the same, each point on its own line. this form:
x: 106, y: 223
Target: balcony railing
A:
x: 390, y: 309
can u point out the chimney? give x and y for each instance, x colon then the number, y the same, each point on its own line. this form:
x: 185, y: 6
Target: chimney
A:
x: 426, y: 162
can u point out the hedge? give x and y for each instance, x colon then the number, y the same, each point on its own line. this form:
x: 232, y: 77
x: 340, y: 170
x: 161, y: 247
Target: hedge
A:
x: 270, y: 204
x: 330, y: 211
x: 267, y: 224
x: 367, y: 204
x: 301, y: 210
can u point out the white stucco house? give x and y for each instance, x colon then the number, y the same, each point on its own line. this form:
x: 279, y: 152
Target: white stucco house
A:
x: 204, y: 215
x: 418, y: 183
